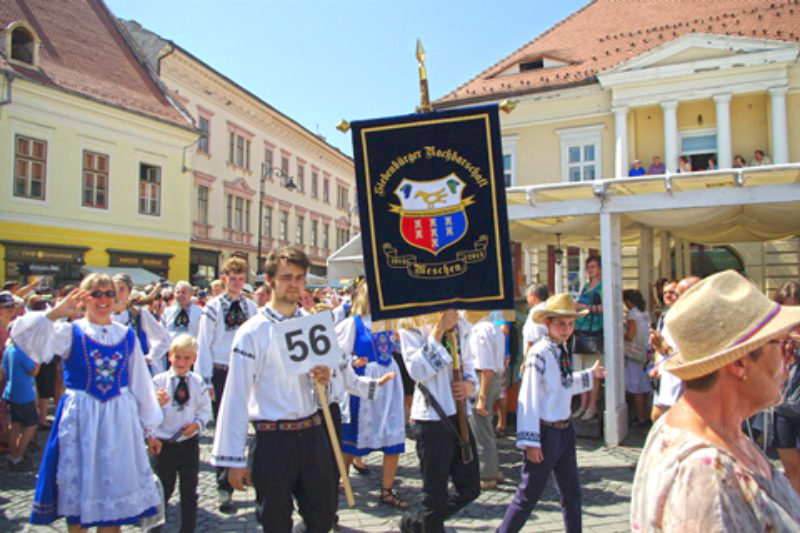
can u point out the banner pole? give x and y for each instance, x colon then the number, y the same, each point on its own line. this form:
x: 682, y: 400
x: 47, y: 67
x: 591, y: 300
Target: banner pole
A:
x: 337, y: 451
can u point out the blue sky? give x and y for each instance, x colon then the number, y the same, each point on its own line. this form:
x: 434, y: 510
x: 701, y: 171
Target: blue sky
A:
x: 323, y: 60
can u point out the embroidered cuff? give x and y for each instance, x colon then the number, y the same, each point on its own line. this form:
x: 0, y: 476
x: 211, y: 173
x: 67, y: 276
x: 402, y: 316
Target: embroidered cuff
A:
x: 236, y: 461
x: 373, y: 386
x: 208, y: 382
x: 149, y: 433
x: 529, y: 438
x: 586, y: 379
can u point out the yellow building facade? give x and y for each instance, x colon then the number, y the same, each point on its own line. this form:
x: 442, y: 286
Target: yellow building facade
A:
x: 255, y: 172
x: 89, y: 183
x: 665, y: 90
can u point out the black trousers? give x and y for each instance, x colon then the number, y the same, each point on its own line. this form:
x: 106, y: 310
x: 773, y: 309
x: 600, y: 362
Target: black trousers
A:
x: 440, y: 460
x: 218, y: 381
x: 181, y: 460
x: 293, y: 463
x: 558, y: 449
x: 336, y: 415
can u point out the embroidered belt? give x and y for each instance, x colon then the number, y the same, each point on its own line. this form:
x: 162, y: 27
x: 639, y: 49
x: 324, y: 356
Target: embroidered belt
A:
x: 559, y: 424
x: 288, y: 425
x: 220, y: 366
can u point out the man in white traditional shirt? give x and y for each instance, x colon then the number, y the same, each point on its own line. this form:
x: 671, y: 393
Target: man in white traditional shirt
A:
x: 291, y: 452
x: 429, y: 361
x: 222, y: 316
x: 182, y: 316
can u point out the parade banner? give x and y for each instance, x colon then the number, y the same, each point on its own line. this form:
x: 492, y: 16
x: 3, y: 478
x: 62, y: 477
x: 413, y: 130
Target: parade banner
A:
x: 432, y: 207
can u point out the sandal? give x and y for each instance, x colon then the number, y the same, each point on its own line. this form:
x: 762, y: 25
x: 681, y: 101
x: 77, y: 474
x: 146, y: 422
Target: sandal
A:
x: 389, y: 497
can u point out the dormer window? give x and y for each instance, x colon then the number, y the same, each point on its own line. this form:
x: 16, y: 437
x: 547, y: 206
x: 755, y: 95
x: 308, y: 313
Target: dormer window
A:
x: 21, y: 43
x: 536, y: 64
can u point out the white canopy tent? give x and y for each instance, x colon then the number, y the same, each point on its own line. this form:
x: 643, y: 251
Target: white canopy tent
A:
x: 347, y: 262
x: 713, y: 207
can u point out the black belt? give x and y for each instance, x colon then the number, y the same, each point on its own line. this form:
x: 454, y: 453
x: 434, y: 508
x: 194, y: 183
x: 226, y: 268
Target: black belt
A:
x: 558, y: 424
x: 220, y: 366
x: 288, y: 425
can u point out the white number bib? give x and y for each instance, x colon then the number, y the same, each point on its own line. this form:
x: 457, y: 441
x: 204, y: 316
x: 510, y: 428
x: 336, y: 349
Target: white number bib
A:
x: 306, y: 342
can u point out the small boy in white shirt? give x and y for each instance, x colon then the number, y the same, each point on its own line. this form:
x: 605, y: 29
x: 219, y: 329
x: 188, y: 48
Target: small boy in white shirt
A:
x: 186, y: 403
x: 544, y: 429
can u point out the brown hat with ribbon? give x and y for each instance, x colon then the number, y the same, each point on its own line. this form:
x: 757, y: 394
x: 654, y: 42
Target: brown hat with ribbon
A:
x: 558, y: 305
x: 719, y: 320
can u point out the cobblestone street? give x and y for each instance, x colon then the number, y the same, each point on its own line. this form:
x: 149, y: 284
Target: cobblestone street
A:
x: 606, y: 476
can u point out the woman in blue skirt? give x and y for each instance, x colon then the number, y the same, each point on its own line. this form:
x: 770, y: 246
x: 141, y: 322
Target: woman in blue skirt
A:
x: 95, y: 470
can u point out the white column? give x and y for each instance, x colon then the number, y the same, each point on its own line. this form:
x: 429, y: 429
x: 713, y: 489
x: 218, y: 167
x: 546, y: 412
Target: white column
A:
x: 665, y: 265
x: 687, y: 258
x: 670, y: 109
x: 645, y: 261
x: 558, y: 275
x: 679, y: 272
x: 620, y: 140
x: 616, y: 416
x: 724, y: 147
x: 780, y: 132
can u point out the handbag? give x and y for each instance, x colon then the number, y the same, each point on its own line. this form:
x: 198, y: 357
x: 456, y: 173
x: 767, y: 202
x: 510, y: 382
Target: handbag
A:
x: 589, y: 342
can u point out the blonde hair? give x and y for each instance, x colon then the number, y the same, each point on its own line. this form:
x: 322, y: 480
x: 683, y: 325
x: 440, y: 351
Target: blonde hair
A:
x: 94, y: 280
x: 217, y: 283
x: 184, y: 341
x: 360, y: 300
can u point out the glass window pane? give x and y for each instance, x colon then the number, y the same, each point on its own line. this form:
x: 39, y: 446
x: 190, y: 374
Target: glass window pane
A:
x: 588, y: 172
x: 38, y: 150
x: 574, y: 154
x: 36, y: 189
x: 696, y: 143
x: 574, y: 173
x: 588, y: 152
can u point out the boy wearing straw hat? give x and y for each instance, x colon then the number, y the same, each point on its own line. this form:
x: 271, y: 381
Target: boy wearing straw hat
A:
x: 544, y: 430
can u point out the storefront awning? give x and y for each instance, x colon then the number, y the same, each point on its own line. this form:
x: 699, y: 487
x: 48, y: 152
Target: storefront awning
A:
x: 140, y: 276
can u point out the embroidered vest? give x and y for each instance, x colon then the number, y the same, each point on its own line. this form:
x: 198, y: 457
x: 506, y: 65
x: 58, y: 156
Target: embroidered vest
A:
x: 135, y: 321
x: 376, y: 347
x: 98, y: 369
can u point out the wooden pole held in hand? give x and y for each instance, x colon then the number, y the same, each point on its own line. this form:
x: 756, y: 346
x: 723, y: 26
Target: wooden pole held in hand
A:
x: 337, y: 449
x: 461, y: 405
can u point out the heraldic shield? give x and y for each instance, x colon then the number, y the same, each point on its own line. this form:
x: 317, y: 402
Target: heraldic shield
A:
x: 432, y: 215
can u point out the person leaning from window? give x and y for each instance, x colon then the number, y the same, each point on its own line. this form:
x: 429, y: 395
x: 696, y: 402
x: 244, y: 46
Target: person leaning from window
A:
x: 787, y: 414
x: 591, y: 298
x: 698, y: 471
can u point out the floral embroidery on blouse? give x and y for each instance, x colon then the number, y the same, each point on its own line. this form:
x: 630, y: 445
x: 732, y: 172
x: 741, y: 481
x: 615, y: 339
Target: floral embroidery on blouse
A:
x: 685, y: 483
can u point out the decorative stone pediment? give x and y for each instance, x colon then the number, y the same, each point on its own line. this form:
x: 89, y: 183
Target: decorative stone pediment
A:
x: 700, y: 53
x: 239, y: 187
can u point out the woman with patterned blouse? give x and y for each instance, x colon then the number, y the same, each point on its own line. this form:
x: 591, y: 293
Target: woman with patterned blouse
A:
x: 698, y: 471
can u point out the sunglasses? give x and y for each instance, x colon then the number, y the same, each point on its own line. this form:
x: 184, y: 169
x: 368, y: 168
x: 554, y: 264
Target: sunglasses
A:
x: 789, y: 347
x: 110, y: 293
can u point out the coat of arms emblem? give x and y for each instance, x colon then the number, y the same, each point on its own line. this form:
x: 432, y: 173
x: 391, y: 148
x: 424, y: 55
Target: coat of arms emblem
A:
x: 432, y: 213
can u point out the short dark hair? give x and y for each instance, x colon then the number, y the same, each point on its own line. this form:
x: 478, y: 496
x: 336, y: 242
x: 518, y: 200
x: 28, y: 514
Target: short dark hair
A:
x: 635, y: 297
x: 595, y: 259
x: 293, y: 256
x: 540, y: 290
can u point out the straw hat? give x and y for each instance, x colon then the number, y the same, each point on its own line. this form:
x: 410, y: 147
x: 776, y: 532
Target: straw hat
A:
x: 558, y: 305
x: 719, y: 320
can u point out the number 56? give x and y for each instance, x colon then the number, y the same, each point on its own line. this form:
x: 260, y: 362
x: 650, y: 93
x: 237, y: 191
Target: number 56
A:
x: 320, y: 344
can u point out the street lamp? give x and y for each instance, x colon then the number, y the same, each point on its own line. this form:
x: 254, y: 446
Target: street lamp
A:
x: 286, y: 182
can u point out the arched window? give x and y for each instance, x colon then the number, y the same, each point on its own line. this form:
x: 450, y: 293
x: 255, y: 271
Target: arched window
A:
x: 22, y: 45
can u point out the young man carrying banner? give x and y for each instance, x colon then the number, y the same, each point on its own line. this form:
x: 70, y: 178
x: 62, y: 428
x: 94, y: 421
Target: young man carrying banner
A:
x: 291, y: 451
x: 429, y: 362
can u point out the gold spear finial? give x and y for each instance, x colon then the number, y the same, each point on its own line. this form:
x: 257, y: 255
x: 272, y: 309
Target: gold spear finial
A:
x: 425, y: 99
x: 507, y: 106
x: 343, y: 126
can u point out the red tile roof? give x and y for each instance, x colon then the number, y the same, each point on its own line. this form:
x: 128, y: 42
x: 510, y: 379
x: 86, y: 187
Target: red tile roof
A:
x: 84, y: 52
x: 606, y: 33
